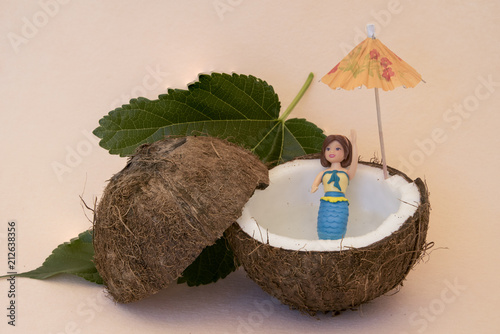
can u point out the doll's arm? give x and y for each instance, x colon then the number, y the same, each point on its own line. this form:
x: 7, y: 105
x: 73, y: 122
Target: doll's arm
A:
x: 316, y: 182
x: 354, y: 163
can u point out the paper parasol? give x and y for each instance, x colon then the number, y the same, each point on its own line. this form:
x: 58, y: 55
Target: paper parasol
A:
x: 373, y: 65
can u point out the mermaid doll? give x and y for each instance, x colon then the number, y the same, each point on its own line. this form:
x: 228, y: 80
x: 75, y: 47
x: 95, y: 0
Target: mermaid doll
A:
x: 340, y: 155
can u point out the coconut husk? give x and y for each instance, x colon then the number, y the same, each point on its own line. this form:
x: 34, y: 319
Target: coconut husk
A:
x: 173, y: 198
x: 314, y: 281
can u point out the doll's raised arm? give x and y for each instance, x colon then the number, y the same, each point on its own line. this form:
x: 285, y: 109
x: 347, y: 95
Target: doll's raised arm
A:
x: 316, y: 182
x: 354, y: 162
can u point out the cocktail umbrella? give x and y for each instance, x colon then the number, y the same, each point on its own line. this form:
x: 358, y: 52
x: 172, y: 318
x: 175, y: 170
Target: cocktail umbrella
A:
x: 373, y: 65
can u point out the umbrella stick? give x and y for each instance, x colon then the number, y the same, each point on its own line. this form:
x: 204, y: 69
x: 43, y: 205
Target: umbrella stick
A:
x: 381, y: 134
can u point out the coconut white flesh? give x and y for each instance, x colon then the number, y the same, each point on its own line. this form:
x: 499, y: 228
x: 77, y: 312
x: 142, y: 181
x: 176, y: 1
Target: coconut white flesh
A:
x: 285, y: 214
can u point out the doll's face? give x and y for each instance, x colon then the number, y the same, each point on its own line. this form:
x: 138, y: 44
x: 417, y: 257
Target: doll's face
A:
x: 334, y: 152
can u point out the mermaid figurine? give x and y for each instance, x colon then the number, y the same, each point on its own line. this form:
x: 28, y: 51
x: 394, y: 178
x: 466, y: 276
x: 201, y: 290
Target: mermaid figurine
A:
x: 340, y: 155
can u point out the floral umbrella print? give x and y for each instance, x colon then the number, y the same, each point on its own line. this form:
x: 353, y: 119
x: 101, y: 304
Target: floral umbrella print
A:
x: 373, y: 65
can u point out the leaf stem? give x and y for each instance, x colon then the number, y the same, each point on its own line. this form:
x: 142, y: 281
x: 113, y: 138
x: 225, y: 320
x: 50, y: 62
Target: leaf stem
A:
x: 297, y: 98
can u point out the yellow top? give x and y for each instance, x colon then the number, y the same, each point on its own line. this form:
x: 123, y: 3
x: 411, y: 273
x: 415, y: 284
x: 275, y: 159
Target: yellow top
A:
x: 334, y: 180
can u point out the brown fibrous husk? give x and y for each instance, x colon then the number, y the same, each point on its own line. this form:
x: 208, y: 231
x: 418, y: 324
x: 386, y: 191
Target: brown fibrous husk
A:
x: 317, y: 281
x: 173, y: 198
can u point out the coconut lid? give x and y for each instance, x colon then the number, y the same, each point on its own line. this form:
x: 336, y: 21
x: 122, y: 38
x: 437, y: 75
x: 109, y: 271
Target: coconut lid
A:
x: 174, y: 198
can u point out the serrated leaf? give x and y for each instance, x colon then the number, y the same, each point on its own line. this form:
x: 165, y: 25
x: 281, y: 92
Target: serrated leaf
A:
x: 215, y: 262
x: 73, y: 257
x: 242, y: 109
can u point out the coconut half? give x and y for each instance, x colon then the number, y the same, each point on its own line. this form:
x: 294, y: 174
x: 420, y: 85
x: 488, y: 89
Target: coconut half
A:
x: 276, y: 240
x: 174, y: 198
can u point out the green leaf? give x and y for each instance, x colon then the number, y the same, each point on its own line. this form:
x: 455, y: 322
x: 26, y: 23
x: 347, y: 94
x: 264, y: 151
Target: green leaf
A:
x: 215, y: 262
x: 73, y: 257
x: 242, y: 109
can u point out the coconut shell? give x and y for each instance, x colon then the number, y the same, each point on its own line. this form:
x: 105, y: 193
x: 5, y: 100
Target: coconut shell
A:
x: 173, y: 198
x: 313, y: 281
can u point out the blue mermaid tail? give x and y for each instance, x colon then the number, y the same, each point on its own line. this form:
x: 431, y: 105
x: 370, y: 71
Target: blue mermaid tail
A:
x: 332, y: 218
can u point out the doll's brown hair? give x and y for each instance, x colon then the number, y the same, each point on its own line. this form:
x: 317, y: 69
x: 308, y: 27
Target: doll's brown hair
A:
x: 346, y: 146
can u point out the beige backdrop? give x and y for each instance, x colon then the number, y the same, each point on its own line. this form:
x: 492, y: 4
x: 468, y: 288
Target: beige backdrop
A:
x: 64, y: 64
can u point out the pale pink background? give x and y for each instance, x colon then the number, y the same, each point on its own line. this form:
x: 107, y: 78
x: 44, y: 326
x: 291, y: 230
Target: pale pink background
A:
x: 84, y: 58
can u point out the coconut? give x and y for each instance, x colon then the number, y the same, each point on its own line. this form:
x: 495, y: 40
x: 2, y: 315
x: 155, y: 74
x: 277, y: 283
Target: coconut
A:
x: 277, y: 243
x: 173, y: 198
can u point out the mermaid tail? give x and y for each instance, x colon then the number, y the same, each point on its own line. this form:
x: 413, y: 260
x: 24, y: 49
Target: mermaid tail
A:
x: 332, y: 219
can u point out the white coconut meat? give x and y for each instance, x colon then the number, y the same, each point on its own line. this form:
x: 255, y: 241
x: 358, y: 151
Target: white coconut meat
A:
x: 285, y: 214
